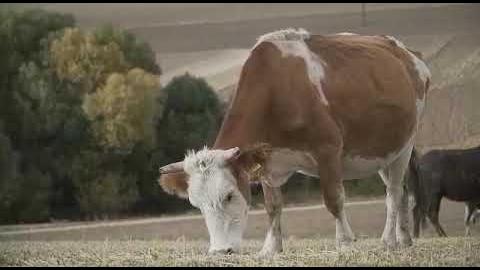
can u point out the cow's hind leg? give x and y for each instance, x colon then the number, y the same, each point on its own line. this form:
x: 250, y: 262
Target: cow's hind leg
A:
x: 396, y: 225
x: 273, y: 206
x: 417, y: 219
x: 334, y: 194
x: 433, y: 213
x: 469, y: 210
x: 403, y: 233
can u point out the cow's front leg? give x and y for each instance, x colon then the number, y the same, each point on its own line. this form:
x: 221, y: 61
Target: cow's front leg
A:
x: 334, y: 194
x: 273, y: 205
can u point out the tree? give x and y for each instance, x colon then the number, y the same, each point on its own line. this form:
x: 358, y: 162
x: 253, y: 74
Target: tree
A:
x: 25, y: 29
x: 137, y: 53
x: 9, y: 187
x: 191, y: 116
x: 101, y: 191
x: 23, y: 36
x: 78, y: 57
x: 25, y: 91
x: 33, y: 201
x: 122, y: 110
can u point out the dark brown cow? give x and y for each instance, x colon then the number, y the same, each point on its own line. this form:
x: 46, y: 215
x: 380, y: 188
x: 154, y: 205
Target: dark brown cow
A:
x: 336, y: 107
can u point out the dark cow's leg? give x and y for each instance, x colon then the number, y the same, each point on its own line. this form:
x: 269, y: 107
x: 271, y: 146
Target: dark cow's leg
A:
x: 334, y: 194
x: 433, y: 213
x: 417, y: 219
x: 273, y: 206
x: 469, y: 210
x: 396, y: 225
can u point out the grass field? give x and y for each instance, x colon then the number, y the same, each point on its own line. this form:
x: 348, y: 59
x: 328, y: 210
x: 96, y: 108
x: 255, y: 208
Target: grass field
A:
x: 456, y: 251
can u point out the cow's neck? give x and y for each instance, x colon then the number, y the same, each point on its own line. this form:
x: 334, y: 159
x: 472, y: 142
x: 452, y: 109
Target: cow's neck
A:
x: 244, y: 123
x: 237, y: 131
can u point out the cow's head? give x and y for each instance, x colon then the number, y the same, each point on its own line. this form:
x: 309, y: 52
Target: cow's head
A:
x: 218, y: 183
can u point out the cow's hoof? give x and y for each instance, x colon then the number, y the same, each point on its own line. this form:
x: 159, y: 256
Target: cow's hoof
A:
x: 390, y: 244
x: 267, y: 253
x: 406, y: 242
x: 345, y: 243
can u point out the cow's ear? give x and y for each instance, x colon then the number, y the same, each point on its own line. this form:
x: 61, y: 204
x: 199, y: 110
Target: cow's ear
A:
x: 175, y: 184
x: 253, y: 161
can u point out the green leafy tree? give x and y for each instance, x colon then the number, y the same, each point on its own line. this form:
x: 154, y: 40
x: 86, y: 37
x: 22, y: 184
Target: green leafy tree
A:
x: 191, y: 116
x: 101, y: 192
x: 122, y: 110
x: 9, y: 187
x: 32, y: 203
x: 24, y: 35
x: 137, y: 53
x: 78, y: 57
x: 25, y: 92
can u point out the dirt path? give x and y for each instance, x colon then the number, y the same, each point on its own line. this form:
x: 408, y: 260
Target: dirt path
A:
x: 367, y: 220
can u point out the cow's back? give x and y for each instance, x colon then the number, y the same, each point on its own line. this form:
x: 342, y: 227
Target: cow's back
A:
x: 372, y: 91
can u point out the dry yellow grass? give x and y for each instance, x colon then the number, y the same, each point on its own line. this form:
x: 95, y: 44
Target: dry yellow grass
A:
x: 455, y: 251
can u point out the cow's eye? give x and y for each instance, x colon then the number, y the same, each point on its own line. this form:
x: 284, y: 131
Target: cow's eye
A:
x: 229, y: 197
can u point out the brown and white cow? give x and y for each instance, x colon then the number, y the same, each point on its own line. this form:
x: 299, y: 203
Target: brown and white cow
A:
x: 342, y: 106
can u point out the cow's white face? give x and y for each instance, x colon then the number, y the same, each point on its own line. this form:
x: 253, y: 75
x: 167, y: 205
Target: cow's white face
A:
x: 214, y: 190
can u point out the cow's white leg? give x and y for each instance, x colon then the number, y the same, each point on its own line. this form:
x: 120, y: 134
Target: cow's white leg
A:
x: 403, y: 235
x: 273, y: 206
x: 396, y: 201
x: 334, y: 195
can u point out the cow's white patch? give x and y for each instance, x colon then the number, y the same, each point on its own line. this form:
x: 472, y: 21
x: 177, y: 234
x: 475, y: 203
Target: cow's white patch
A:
x: 420, y: 104
x: 344, y: 233
x: 213, y: 189
x: 284, y: 34
x: 269, y: 245
x: 291, y: 43
x: 420, y: 66
x: 355, y: 167
x: 346, y: 34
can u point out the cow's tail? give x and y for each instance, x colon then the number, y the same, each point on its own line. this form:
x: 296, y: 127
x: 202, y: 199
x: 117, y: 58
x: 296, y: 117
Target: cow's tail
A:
x: 417, y: 186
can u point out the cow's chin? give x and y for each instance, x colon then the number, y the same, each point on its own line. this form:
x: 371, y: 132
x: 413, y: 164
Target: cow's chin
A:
x: 225, y: 233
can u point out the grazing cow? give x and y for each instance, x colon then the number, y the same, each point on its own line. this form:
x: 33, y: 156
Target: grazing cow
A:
x: 453, y: 174
x: 330, y: 106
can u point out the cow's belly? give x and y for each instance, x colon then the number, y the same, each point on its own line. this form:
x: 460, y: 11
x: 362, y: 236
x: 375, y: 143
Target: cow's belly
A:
x: 286, y: 161
x: 358, y: 167
x: 354, y: 168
